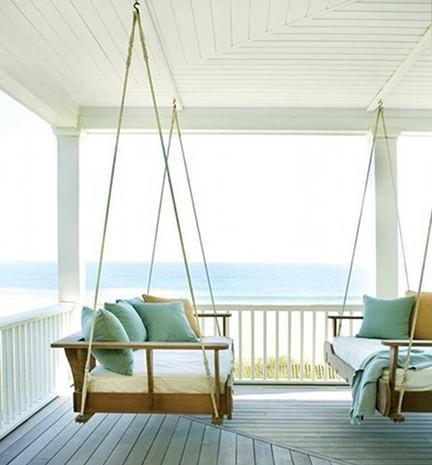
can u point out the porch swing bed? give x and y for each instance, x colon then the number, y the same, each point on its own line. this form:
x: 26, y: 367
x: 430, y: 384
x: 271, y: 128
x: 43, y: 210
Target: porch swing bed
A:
x: 345, y: 355
x: 403, y: 363
x: 169, y: 374
x: 168, y: 377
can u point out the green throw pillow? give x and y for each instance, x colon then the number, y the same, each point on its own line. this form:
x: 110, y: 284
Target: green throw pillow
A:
x: 134, y: 301
x: 166, y: 322
x: 386, y: 319
x: 108, y: 329
x: 128, y: 317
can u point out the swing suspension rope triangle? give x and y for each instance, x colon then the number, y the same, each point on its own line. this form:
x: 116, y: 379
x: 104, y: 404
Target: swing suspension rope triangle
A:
x: 136, y: 22
x: 379, y: 118
x: 175, y: 125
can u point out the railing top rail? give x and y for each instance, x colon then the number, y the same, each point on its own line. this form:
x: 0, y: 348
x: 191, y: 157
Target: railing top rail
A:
x: 31, y: 315
x: 273, y: 307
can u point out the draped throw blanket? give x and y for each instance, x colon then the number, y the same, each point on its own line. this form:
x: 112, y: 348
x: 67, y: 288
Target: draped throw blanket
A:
x: 364, y: 383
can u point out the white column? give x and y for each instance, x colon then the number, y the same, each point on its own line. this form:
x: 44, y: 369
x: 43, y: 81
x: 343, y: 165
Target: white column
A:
x: 71, y: 272
x: 387, y: 239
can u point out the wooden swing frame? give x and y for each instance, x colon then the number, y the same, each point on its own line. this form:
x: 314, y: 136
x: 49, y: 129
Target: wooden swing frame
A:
x: 76, y: 349
x: 387, y: 394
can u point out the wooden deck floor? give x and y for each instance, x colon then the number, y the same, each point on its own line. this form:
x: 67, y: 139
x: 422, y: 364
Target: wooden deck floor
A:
x: 52, y: 437
x: 316, y: 419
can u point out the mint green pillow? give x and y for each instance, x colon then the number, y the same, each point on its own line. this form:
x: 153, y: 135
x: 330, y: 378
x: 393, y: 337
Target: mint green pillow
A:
x: 108, y: 329
x: 134, y: 301
x: 130, y: 320
x: 386, y: 319
x: 166, y: 322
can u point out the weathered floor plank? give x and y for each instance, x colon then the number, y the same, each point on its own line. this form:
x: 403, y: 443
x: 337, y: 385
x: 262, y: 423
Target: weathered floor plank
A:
x: 160, y: 445
x: 263, y: 453
x: 17, y: 433
x: 145, y: 440
x: 210, y: 446
x: 227, y: 448
x: 14, y: 449
x: 78, y: 441
x: 52, y: 437
x: 193, y: 444
x: 282, y: 456
x: 178, y: 441
x: 316, y: 420
x: 127, y: 441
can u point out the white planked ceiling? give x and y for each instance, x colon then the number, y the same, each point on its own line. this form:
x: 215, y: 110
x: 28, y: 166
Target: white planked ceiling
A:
x: 67, y: 54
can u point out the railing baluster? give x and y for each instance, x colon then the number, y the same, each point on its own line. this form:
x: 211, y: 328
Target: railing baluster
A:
x: 289, y: 355
x: 277, y: 354
x: 252, y: 344
x: 326, y: 337
x: 28, y: 366
x: 10, y: 376
x: 301, y: 346
x: 265, y: 344
x: 240, y: 345
x: 314, y: 314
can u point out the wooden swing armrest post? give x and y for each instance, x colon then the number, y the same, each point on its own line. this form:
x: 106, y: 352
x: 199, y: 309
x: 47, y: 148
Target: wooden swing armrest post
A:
x: 335, y: 319
x: 393, y: 345
x: 224, y: 317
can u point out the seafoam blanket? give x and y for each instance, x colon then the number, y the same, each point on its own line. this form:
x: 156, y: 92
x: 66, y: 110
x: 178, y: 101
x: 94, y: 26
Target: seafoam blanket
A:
x: 364, y: 383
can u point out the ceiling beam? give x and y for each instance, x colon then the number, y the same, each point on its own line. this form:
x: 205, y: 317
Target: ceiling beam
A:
x: 162, y: 55
x: 257, y: 120
x: 424, y: 42
x: 48, y: 107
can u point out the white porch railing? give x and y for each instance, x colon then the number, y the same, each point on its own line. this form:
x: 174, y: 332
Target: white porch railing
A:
x: 30, y: 371
x: 282, y: 343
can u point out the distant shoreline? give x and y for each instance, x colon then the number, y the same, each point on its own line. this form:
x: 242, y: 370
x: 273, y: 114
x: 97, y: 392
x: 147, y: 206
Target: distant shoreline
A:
x: 233, y: 283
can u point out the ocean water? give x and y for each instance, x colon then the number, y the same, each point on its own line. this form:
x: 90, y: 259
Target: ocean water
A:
x: 232, y: 282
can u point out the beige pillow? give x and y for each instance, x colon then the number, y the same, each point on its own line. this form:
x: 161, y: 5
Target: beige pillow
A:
x: 189, y: 312
x: 423, y: 328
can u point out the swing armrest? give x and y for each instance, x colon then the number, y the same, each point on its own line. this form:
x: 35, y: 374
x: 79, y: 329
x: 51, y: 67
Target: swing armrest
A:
x: 335, y: 319
x: 393, y: 345
x: 405, y: 342
x: 76, y: 341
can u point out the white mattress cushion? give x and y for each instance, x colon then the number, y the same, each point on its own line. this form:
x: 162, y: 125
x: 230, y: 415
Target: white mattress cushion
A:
x: 174, y: 371
x: 353, y: 350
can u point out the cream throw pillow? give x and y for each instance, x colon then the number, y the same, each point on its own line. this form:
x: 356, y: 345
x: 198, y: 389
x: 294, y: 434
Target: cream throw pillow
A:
x: 423, y: 328
x: 187, y: 308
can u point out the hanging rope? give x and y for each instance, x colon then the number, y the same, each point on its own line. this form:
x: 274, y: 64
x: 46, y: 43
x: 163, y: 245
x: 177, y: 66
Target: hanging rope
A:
x: 80, y: 417
x: 175, y: 121
x: 203, y: 254
x: 395, y: 200
x: 360, y: 217
x: 176, y: 213
x: 414, y: 320
x: 159, y: 211
x: 379, y: 117
x: 137, y: 21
